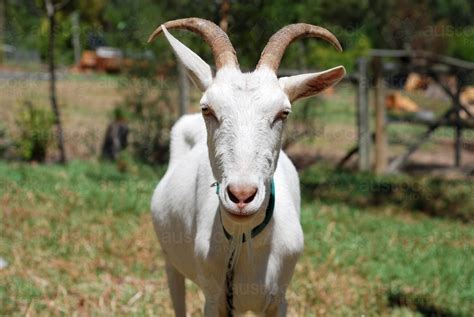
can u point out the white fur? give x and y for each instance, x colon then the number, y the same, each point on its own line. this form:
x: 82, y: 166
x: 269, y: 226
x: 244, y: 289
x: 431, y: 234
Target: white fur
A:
x: 239, y: 144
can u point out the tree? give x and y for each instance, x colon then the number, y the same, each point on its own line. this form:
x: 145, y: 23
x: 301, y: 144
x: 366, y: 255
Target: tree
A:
x: 2, y: 28
x: 51, y: 10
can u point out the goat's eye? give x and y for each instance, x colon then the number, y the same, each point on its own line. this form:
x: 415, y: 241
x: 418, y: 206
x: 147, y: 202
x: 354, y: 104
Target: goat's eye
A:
x: 284, y: 114
x: 206, y: 110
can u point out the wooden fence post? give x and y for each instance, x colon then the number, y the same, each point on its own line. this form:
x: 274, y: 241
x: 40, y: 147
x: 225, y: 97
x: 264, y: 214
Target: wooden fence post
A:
x: 458, y: 135
x: 364, y: 136
x: 458, y: 130
x: 379, y: 106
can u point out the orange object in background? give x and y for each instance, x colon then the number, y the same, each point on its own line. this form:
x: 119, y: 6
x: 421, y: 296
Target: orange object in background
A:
x: 105, y: 59
x: 396, y: 102
x: 467, y: 100
x: 109, y: 59
x: 416, y: 82
x: 467, y: 96
x: 88, y: 60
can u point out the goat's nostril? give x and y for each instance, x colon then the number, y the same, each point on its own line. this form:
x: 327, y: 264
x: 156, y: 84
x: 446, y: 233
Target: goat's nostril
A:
x: 232, y: 196
x: 241, y: 194
x: 251, y: 197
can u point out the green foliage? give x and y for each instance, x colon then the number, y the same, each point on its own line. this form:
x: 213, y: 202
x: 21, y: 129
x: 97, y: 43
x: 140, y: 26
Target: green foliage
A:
x: 461, y: 43
x: 35, y: 126
x: 127, y: 23
x: 21, y: 19
x: 151, y: 114
x: 323, y: 57
x: 337, y: 13
x: 120, y: 114
x: 459, y: 13
x: 63, y: 42
x: 4, y: 140
x: 92, y: 10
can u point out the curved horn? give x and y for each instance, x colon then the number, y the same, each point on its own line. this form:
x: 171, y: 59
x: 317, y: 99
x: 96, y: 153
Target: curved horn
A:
x: 276, y: 46
x: 222, y: 49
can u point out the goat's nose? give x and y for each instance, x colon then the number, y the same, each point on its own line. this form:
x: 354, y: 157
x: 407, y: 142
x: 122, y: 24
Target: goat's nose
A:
x: 241, y: 194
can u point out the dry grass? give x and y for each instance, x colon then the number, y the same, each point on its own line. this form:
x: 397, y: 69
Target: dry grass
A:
x: 86, y: 107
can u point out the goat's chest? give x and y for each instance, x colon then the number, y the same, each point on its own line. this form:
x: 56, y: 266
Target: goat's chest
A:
x: 255, y: 281
x: 254, y: 291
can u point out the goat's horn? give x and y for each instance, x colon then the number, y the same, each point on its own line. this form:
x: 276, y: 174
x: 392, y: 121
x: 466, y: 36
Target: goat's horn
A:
x: 276, y: 46
x: 215, y: 37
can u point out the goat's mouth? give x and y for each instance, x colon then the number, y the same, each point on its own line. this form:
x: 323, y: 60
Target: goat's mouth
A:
x: 240, y: 213
x: 240, y: 216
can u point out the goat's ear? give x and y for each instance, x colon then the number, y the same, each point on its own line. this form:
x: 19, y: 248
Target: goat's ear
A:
x: 307, y: 85
x: 198, y: 70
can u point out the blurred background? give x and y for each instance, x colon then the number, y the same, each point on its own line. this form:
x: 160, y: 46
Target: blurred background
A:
x: 386, y: 158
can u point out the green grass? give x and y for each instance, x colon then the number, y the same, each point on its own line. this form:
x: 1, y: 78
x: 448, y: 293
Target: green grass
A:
x: 414, y: 257
x: 82, y: 185
x: 72, y: 229
x: 429, y: 195
x: 78, y: 239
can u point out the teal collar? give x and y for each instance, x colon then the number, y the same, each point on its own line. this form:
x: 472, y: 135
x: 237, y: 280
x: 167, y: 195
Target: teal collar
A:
x: 268, y: 214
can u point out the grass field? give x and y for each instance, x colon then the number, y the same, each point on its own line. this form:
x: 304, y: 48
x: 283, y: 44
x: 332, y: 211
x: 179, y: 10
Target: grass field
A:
x: 78, y: 240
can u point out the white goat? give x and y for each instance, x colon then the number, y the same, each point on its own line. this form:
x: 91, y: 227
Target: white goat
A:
x: 236, y: 145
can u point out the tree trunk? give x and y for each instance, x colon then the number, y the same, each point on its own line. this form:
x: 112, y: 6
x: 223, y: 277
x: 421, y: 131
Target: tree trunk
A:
x: 52, y: 82
x: 380, y: 124
x: 2, y: 29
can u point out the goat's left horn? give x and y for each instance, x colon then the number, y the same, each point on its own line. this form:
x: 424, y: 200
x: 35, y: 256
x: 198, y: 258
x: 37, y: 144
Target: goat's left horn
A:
x: 276, y: 46
x: 215, y: 37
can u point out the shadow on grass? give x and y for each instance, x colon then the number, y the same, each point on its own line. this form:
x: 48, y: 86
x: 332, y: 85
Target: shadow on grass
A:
x: 432, y: 196
x: 418, y: 304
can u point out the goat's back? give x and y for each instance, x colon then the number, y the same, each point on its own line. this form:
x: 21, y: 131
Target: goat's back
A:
x: 175, y: 200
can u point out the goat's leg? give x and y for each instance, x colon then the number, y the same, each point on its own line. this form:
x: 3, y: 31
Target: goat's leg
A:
x: 277, y: 308
x: 177, y: 290
x: 282, y: 306
x: 212, y: 307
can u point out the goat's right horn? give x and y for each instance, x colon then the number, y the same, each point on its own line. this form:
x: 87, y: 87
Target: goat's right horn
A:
x: 215, y: 37
x: 276, y: 46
